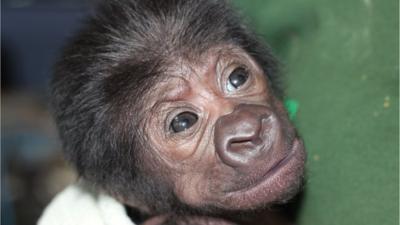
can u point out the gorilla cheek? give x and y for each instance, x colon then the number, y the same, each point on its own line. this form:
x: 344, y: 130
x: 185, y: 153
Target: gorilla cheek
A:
x: 192, y: 189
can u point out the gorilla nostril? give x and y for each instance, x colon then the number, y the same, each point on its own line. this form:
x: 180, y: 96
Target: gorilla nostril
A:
x: 244, y: 143
x: 266, y: 124
x: 240, y: 137
x: 246, y: 138
x: 236, y: 146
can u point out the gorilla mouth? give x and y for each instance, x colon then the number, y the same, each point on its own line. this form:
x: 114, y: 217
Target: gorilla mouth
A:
x: 275, y: 182
x: 275, y: 167
x: 281, y: 163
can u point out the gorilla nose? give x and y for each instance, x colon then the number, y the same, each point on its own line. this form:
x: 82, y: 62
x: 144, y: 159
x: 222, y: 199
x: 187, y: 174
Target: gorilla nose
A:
x: 238, y: 136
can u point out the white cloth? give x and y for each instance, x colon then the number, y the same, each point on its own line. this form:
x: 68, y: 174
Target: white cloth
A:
x: 79, y: 205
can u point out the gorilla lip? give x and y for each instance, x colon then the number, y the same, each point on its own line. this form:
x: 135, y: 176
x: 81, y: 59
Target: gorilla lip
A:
x: 295, y: 149
x: 283, y: 161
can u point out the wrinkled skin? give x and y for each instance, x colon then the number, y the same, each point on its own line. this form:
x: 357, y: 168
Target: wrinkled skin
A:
x: 242, y: 153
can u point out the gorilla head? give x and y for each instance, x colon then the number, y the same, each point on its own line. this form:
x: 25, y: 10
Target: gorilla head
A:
x: 175, y: 106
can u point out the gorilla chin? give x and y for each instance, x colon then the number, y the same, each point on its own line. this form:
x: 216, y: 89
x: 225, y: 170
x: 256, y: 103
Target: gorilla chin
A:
x: 279, y: 184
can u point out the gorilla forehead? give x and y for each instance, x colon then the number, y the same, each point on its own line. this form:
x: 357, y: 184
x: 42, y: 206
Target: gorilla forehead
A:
x: 163, y: 27
x: 147, y: 34
x: 135, y: 41
x: 127, y: 28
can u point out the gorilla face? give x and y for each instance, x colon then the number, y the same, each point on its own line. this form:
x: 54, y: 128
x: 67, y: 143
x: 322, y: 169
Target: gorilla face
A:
x: 222, y: 135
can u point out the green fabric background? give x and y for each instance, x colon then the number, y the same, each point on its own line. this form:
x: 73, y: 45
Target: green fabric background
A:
x: 342, y: 66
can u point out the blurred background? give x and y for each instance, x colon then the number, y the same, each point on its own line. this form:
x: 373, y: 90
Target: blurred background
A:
x: 341, y: 60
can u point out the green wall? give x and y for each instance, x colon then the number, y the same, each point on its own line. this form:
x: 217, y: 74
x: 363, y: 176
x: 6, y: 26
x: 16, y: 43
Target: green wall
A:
x: 342, y: 65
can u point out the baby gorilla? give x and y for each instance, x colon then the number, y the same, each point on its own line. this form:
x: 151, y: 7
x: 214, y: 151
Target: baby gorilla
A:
x: 174, y: 109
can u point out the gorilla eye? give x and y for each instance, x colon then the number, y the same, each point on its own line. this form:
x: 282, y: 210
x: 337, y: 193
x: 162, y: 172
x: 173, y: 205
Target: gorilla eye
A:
x: 237, y: 78
x: 183, y: 121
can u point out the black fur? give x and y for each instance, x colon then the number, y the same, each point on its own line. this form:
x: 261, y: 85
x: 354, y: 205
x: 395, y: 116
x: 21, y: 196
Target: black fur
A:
x: 101, y: 82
